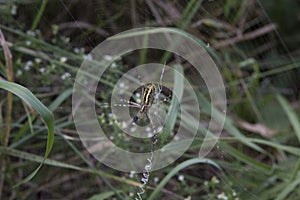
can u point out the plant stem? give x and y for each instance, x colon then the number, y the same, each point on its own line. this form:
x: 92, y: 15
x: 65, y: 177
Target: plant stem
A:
x: 9, y: 76
x: 39, y: 15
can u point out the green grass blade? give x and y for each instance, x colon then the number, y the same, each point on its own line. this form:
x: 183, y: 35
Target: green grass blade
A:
x: 239, y: 155
x: 291, y: 115
x: 228, y: 125
x: 42, y: 110
x: 178, y: 89
x: 290, y: 187
x: 50, y: 162
x: 148, y: 31
x: 272, y: 192
x: 188, y: 13
x: 177, y: 169
x: 36, y: 158
x: 296, y: 170
x: 61, y: 98
x: 1, y: 123
x: 289, y: 149
x: 293, y: 182
x: 39, y: 15
x: 102, y: 196
x: 53, y: 106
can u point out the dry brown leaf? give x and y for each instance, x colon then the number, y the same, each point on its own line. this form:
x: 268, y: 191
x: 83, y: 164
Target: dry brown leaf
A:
x: 261, y: 129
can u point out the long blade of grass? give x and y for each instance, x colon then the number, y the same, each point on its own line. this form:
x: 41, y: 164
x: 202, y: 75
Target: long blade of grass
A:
x: 53, y: 106
x: 113, y: 190
x: 246, y: 159
x: 296, y: 170
x: 289, y: 149
x: 291, y: 115
x: 42, y: 110
x: 296, y: 126
x: 178, y: 90
x: 228, y: 125
x: 39, y: 15
x: 102, y: 196
x: 149, y: 31
x: 1, y: 122
x: 272, y: 192
x: 177, y: 169
x: 47, y: 161
x: 188, y: 13
x: 290, y: 187
x: 61, y: 98
x: 9, y: 76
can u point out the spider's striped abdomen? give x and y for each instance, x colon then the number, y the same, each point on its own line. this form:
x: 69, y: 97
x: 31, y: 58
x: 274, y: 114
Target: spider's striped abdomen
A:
x: 148, y: 96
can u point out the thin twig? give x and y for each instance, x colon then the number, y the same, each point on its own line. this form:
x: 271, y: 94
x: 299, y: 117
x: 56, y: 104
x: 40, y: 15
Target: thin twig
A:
x: 155, y: 12
x: 261, y: 31
x: 83, y: 25
x: 169, y: 9
x: 261, y: 129
x: 215, y: 23
x: 133, y: 15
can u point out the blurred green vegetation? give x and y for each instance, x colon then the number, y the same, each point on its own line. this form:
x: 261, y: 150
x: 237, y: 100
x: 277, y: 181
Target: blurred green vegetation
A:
x: 255, y: 45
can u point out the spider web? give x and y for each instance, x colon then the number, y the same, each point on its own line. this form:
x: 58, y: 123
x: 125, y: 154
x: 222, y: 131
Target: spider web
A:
x: 256, y: 40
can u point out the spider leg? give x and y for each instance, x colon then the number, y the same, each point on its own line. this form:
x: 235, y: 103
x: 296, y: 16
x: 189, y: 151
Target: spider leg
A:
x: 161, y: 77
x: 129, y: 103
x: 126, y: 105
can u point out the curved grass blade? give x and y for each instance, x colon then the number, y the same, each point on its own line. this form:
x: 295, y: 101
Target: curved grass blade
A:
x: 188, y: 13
x: 102, y: 196
x: 290, y: 187
x: 149, y: 30
x: 173, y: 111
x: 293, y: 182
x: 60, y: 99
x: 52, y: 107
x: 177, y: 169
x: 291, y: 115
x: 50, y: 162
x: 286, y: 148
x: 228, y: 125
x: 42, y: 110
x: 259, y: 166
x: 39, y: 15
